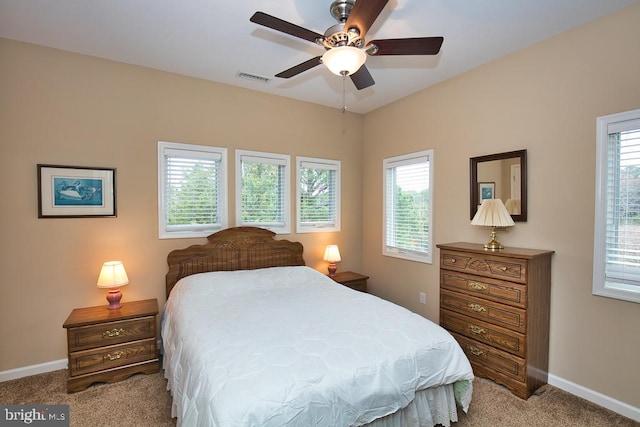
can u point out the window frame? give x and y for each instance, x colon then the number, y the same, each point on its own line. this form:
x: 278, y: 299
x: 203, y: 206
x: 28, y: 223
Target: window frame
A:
x: 272, y: 158
x: 601, y: 285
x: 407, y: 254
x: 321, y: 164
x: 195, y: 231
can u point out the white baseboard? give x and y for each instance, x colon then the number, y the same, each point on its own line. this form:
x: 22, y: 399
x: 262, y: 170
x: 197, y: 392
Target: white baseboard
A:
x: 600, y: 399
x: 27, y: 371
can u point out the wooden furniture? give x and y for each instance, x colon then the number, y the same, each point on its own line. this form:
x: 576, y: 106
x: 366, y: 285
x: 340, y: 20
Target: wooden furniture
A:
x: 496, y: 304
x: 352, y: 280
x: 237, y: 248
x: 111, y: 345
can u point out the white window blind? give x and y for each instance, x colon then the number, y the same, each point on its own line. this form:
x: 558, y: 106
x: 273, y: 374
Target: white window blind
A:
x: 263, y: 199
x: 408, y: 206
x: 318, y: 194
x: 191, y: 190
x: 617, y: 227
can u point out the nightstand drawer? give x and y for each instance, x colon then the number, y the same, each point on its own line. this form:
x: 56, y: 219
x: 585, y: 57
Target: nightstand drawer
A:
x: 87, y: 361
x: 489, y: 311
x: 110, y: 333
x: 352, y: 280
x: 502, y: 338
x: 485, y: 265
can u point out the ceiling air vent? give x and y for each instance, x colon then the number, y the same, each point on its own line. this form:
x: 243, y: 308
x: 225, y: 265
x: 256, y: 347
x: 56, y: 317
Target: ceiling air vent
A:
x: 253, y: 77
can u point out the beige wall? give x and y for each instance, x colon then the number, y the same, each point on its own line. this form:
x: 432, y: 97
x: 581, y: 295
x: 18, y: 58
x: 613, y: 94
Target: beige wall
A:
x: 61, y: 108
x: 67, y: 109
x: 544, y: 99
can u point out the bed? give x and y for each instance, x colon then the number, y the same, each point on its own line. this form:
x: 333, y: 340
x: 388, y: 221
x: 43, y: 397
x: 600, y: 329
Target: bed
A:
x: 253, y: 337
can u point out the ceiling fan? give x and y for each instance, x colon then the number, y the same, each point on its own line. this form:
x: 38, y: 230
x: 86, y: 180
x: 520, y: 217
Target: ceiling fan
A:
x: 346, y: 49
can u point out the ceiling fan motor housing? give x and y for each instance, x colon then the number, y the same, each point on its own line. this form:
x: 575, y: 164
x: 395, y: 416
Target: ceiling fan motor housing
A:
x: 336, y: 36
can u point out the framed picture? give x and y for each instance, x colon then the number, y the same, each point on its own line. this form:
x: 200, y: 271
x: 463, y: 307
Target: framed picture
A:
x: 486, y: 190
x: 72, y: 191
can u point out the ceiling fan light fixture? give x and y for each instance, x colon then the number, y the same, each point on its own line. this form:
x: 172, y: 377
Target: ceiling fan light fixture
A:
x: 344, y: 60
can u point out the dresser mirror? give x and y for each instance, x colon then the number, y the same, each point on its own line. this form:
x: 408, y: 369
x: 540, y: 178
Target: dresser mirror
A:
x: 500, y: 176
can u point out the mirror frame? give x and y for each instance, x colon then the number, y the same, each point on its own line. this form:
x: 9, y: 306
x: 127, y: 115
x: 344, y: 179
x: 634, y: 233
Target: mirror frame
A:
x: 474, y: 196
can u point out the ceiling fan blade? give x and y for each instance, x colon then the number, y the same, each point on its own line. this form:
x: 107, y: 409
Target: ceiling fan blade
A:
x: 295, y: 70
x: 362, y: 78
x: 410, y: 46
x: 278, y: 24
x: 363, y: 15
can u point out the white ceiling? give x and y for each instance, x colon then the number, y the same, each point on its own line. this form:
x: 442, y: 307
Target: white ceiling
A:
x: 214, y: 40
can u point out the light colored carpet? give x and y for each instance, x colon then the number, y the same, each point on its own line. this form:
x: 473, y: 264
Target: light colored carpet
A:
x: 143, y: 400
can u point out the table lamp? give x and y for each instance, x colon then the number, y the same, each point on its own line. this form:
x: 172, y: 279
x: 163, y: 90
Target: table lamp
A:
x: 332, y: 254
x: 492, y: 213
x: 112, y: 276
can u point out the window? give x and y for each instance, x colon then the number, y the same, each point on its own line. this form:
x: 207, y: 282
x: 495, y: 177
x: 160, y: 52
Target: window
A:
x: 262, y: 190
x: 408, y: 201
x: 192, y: 196
x: 318, y: 195
x: 616, y: 255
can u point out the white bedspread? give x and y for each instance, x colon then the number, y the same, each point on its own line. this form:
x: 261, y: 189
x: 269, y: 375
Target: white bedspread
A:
x: 288, y: 346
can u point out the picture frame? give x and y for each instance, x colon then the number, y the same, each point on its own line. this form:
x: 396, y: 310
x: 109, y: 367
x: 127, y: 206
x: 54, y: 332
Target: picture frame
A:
x: 76, y: 192
x: 486, y: 190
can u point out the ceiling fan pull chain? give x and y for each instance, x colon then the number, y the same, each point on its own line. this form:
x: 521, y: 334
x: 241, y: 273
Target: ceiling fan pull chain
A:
x: 344, y: 93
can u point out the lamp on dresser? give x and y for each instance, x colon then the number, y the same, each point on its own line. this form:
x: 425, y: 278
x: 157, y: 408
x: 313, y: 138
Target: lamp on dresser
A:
x: 492, y: 213
x: 332, y: 254
x: 112, y: 276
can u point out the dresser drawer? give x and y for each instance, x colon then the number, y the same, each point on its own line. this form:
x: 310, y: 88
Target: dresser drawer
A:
x: 489, y: 311
x: 485, y: 265
x: 86, y: 361
x: 492, y: 358
x: 495, y: 290
x: 496, y: 336
x: 110, y: 333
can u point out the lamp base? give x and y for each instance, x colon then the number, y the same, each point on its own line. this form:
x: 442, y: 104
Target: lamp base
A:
x: 114, y: 296
x: 493, y: 244
x: 332, y: 269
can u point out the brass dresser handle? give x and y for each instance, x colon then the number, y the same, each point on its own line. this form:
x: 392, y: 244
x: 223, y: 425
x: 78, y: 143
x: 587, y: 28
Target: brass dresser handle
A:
x: 452, y: 260
x: 477, y: 308
x: 477, y: 286
x: 503, y: 268
x: 113, y: 332
x: 115, y: 356
x: 476, y: 330
x: 475, y: 351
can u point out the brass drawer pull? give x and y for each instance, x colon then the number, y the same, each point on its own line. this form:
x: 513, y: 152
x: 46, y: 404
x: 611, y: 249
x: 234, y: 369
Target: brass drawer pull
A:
x: 503, y: 268
x: 113, y: 332
x: 477, y: 308
x: 475, y: 351
x: 115, y: 356
x: 476, y: 330
x: 477, y: 286
x: 452, y: 260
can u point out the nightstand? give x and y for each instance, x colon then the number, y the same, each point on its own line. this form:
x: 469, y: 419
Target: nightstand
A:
x: 111, y: 345
x: 353, y: 280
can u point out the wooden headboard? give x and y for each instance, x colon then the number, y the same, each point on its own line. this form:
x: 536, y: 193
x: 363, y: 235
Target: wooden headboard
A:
x: 236, y: 248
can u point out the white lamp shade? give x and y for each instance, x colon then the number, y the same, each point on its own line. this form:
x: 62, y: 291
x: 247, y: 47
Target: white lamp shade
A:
x: 112, y: 275
x: 492, y: 213
x: 344, y: 60
x: 513, y: 206
x: 332, y: 253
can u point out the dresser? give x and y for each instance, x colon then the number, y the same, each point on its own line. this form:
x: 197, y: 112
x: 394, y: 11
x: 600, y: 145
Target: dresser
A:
x: 496, y: 304
x: 111, y: 345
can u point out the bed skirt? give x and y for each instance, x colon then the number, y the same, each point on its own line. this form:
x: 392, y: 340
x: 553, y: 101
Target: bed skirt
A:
x: 430, y: 407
